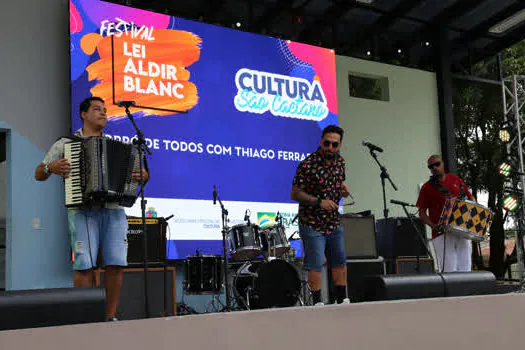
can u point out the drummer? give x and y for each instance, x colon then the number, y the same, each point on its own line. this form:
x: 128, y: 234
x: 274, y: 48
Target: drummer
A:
x: 453, y: 253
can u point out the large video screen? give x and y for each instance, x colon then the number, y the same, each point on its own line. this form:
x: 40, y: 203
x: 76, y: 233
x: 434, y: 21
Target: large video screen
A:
x: 217, y: 106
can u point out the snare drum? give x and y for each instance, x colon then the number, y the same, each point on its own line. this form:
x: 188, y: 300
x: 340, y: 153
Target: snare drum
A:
x: 267, y: 284
x: 465, y: 219
x: 245, y: 242
x: 274, y: 238
x: 203, y: 274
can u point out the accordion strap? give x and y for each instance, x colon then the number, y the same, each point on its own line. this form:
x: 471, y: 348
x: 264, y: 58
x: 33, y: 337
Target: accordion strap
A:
x: 72, y: 138
x: 435, y: 182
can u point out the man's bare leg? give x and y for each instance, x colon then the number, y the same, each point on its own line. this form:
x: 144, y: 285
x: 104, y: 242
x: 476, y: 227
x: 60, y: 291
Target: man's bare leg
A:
x: 83, y: 278
x: 113, y: 283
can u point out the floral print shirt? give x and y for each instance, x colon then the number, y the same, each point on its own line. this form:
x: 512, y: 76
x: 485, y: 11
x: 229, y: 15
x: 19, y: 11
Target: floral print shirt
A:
x: 322, y: 179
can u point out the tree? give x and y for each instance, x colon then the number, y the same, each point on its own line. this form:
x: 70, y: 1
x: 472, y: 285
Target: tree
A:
x: 479, y: 114
x: 478, y: 109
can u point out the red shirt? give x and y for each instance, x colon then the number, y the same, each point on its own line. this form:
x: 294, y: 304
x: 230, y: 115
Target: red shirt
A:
x: 432, y: 199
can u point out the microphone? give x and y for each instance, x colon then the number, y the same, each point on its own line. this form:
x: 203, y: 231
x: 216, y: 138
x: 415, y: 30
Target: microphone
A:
x: 393, y: 201
x: 125, y: 103
x: 295, y: 218
x: 372, y: 146
x: 214, y: 195
x: 169, y: 217
x: 247, y: 216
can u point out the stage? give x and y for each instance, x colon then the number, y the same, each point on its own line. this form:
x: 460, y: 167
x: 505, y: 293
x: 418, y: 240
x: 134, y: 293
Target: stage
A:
x: 477, y: 322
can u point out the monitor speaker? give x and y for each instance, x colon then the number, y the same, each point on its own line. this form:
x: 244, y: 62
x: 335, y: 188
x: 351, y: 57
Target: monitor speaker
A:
x: 51, y: 307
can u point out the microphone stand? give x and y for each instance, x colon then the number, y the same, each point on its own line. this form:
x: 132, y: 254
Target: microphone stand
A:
x: 225, y: 252
x: 140, y: 142
x: 384, y: 175
x: 418, y: 234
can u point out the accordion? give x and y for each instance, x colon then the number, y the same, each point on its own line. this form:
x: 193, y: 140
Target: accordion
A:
x: 101, y: 171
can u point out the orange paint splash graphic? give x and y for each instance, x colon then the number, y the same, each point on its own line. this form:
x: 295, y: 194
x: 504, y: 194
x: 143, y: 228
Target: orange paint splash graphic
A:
x: 152, y: 71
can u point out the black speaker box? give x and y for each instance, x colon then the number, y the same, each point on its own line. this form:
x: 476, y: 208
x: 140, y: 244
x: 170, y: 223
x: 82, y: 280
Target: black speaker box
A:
x: 360, y: 236
x: 156, y: 231
x: 395, y: 287
x: 469, y: 283
x: 161, y: 292
x: 357, y: 271
x: 51, y: 307
x: 453, y: 284
x: 397, y: 237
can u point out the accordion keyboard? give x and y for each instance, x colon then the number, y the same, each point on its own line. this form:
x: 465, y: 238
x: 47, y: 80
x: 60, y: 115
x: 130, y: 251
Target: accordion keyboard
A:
x: 73, y: 184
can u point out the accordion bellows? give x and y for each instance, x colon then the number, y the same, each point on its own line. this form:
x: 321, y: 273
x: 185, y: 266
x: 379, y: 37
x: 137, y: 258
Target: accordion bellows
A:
x: 101, y: 172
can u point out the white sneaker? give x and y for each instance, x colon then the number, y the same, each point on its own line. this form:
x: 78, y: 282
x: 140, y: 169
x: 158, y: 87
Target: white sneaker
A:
x: 346, y: 301
x: 319, y: 304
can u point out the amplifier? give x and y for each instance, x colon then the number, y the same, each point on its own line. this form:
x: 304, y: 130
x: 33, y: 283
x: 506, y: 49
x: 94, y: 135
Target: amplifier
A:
x: 156, y: 231
x: 360, y: 236
x: 407, y: 266
x: 397, y: 237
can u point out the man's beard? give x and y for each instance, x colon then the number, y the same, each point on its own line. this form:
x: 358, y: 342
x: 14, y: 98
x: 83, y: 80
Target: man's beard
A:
x: 329, y: 155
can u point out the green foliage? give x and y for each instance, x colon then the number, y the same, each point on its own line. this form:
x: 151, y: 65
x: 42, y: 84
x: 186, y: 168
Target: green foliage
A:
x: 479, y: 114
x: 514, y: 60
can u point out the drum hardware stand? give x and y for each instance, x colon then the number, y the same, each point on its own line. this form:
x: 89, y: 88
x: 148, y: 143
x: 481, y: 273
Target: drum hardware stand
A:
x: 142, y: 149
x: 305, y: 296
x: 271, y: 239
x: 214, y: 299
x: 182, y: 305
x: 224, y: 214
x: 271, y: 243
x: 384, y: 175
x: 419, y: 234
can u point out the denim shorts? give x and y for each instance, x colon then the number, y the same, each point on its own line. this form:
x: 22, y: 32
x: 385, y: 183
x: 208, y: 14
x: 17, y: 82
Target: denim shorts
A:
x: 317, y: 246
x: 93, y: 229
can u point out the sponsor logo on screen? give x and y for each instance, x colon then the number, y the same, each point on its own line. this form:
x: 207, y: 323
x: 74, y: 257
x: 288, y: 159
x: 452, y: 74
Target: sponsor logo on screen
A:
x: 267, y: 219
x: 282, y: 95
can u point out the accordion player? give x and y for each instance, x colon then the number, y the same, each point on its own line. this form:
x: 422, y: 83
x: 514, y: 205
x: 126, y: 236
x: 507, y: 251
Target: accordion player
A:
x: 101, y: 171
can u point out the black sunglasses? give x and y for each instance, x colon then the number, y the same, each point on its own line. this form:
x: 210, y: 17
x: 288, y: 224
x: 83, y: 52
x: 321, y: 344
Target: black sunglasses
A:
x: 328, y: 143
x: 430, y: 166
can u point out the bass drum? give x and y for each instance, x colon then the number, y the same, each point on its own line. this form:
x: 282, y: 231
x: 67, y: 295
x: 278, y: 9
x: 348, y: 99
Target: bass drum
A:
x: 261, y: 285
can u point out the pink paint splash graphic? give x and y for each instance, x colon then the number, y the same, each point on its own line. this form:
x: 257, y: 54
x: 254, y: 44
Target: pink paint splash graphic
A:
x: 75, y: 21
x: 323, y: 62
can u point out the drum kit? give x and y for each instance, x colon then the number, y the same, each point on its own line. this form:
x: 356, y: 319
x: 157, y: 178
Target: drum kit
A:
x: 266, y: 277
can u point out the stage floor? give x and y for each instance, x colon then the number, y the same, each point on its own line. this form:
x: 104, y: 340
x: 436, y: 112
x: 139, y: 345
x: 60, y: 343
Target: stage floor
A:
x: 481, y: 322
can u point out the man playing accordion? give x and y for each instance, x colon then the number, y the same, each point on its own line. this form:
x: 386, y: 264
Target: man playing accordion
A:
x: 92, y: 227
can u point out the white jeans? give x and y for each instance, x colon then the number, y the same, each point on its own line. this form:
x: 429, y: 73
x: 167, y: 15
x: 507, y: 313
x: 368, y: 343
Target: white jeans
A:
x: 456, y: 253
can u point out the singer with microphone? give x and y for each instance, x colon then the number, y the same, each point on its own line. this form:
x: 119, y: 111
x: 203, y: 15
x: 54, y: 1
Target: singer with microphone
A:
x: 318, y: 186
x: 91, y: 228
x: 453, y: 253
